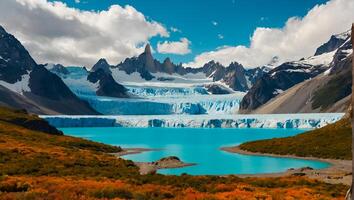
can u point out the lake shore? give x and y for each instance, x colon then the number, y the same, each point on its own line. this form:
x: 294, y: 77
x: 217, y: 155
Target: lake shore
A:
x: 340, y: 171
x: 152, y: 167
x: 128, y: 151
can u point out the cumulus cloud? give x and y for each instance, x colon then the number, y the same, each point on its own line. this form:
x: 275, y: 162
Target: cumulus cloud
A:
x: 54, y: 32
x: 178, y: 47
x: 214, y: 23
x: 298, y: 38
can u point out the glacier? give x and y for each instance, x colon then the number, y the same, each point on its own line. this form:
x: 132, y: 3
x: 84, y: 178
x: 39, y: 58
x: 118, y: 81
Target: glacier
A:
x: 167, y: 105
x: 305, y: 121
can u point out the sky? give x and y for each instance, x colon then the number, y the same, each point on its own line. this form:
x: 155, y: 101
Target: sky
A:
x: 251, y: 32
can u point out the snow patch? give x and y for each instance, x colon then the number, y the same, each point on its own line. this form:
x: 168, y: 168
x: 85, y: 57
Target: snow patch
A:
x: 20, y: 86
x: 6, y: 60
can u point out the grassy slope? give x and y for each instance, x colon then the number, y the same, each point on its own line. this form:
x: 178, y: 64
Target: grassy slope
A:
x: 332, y: 141
x: 36, y: 165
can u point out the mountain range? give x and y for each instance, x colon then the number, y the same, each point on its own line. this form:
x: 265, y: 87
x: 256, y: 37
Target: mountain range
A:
x: 291, y: 87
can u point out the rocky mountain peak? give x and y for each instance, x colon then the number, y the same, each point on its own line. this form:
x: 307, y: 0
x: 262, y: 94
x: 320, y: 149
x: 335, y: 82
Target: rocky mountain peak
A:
x: 2, y: 30
x: 15, y: 60
x: 168, y: 66
x: 107, y: 85
x: 148, y: 49
x: 334, y: 43
x: 102, y: 64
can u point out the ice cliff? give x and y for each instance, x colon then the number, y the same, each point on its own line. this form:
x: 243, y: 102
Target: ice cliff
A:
x: 306, y: 121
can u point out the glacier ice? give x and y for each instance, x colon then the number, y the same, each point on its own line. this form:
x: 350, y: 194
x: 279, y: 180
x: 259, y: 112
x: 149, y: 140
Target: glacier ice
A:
x: 166, y: 105
x: 306, y: 121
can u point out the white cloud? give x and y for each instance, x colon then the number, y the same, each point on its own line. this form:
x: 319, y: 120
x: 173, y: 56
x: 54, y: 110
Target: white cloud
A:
x: 214, y: 23
x: 298, y: 38
x: 53, y: 32
x: 220, y: 36
x: 77, y: 1
x: 178, y: 47
x: 174, y: 29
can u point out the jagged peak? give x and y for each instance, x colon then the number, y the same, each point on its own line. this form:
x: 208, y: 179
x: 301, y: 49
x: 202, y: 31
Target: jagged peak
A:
x: 234, y: 63
x: 102, y: 61
x: 101, y: 64
x: 2, y: 30
x: 344, y: 36
x: 167, y: 60
x: 213, y: 62
x: 147, y: 49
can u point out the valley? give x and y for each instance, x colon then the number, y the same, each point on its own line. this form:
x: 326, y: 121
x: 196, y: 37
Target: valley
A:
x: 134, y: 118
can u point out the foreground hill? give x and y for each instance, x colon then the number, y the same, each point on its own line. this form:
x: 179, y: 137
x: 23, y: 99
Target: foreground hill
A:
x: 38, y: 165
x: 332, y: 141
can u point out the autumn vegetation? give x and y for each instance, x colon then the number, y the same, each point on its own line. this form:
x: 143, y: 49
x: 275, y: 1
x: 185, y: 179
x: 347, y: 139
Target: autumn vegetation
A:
x: 332, y: 141
x: 38, y: 165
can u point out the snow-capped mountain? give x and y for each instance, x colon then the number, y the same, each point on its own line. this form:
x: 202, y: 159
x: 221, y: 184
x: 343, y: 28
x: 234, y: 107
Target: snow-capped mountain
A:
x: 234, y: 76
x: 24, y: 84
x: 334, y: 43
x: 331, y: 59
x: 143, y: 85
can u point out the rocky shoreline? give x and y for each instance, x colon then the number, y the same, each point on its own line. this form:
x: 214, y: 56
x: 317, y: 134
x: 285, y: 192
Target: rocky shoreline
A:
x: 152, y: 167
x: 340, y: 171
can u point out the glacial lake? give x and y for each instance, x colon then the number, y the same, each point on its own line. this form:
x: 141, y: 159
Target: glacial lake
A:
x: 198, y: 145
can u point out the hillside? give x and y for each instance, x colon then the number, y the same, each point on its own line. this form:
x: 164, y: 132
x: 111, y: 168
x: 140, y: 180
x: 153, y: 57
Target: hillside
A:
x: 37, y: 165
x: 303, y: 86
x: 28, y: 85
x: 332, y: 141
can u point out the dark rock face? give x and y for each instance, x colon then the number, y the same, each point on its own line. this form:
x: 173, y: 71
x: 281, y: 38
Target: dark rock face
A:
x: 260, y: 93
x: 279, y: 79
x: 338, y: 87
x: 57, y: 69
x: 216, y: 89
x: 341, y: 54
x: 214, y: 70
x: 107, y: 85
x: 168, y: 66
x: 44, y: 86
x: 143, y: 64
x: 256, y: 73
x: 102, y: 64
x: 235, y: 77
x: 15, y: 60
x: 334, y: 43
x: 48, y: 85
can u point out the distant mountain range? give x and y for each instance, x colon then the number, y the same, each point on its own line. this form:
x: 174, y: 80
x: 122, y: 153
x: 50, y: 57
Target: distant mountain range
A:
x: 297, y: 86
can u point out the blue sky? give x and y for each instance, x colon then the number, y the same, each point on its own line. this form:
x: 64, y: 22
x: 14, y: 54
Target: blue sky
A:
x: 236, y: 19
x: 251, y: 32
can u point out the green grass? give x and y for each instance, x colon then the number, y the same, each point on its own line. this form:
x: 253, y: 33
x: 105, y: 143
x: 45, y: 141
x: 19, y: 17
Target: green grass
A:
x: 332, y: 141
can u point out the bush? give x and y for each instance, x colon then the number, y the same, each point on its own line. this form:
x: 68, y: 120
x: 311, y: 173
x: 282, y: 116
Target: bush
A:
x: 111, y: 193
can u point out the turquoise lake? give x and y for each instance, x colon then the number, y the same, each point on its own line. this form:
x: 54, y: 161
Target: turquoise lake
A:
x: 200, y: 146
